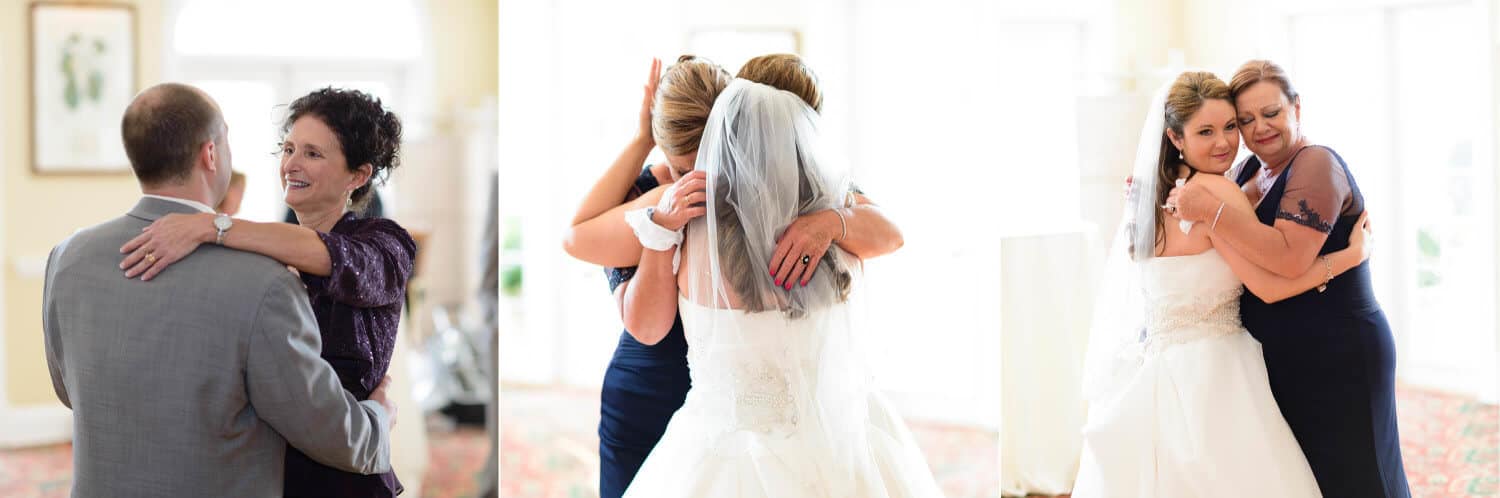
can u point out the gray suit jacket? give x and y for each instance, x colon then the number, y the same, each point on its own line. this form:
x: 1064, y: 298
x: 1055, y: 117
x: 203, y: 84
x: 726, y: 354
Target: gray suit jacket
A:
x: 193, y: 384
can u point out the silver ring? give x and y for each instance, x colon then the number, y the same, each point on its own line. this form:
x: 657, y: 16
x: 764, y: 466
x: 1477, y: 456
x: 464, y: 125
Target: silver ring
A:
x: 806, y: 259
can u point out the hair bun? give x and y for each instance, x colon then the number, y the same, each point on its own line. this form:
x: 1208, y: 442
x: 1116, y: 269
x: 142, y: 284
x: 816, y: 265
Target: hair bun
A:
x: 686, y: 57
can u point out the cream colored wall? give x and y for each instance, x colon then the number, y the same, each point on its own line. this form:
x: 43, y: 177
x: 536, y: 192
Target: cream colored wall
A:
x: 1224, y: 34
x: 38, y: 211
x: 1144, y: 31
x: 464, y: 51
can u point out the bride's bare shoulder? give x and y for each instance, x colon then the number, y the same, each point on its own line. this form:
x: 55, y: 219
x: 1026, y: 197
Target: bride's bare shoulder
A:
x: 1221, y: 187
x: 1213, y: 181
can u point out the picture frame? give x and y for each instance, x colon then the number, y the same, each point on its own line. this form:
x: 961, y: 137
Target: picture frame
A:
x: 83, y: 69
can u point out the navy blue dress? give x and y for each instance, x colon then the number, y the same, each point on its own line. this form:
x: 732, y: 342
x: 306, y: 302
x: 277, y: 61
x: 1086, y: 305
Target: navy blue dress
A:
x: 643, y: 387
x: 1329, y: 355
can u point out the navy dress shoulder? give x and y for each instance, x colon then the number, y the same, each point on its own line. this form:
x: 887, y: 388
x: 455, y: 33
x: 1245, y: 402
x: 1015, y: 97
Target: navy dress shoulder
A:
x: 358, y: 307
x: 643, y: 387
x: 1330, y: 356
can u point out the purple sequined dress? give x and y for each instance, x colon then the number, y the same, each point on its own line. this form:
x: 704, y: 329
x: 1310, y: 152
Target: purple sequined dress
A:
x: 357, y: 306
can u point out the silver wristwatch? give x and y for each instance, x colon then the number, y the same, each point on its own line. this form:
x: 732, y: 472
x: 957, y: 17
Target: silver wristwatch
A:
x: 222, y: 223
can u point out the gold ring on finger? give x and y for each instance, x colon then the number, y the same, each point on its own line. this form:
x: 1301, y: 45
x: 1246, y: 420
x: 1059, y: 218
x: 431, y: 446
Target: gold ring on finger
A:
x: 150, y: 258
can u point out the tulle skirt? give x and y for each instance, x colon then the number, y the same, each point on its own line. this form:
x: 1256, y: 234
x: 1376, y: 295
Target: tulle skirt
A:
x: 703, y: 456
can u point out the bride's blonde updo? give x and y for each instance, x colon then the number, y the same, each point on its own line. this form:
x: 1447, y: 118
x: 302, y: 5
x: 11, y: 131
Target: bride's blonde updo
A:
x: 786, y: 72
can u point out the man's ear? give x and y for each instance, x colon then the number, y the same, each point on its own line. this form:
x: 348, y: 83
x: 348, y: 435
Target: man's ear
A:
x: 208, y: 156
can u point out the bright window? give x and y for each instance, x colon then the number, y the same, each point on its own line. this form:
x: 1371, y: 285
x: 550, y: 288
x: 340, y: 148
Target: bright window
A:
x: 1399, y: 92
x: 254, y: 76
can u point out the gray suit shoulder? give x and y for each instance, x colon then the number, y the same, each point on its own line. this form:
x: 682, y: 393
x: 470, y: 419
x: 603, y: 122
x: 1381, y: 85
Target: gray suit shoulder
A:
x: 210, y: 268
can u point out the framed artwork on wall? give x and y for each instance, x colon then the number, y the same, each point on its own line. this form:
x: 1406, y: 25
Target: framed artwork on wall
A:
x: 83, y: 75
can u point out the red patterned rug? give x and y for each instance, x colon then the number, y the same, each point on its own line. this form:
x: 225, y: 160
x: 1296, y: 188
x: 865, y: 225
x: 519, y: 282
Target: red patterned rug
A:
x: 455, y: 457
x: 549, y: 448
x: 1449, y: 444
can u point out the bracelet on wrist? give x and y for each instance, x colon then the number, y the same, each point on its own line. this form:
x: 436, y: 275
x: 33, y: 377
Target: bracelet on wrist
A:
x: 1218, y: 213
x: 843, y: 225
x: 1328, y: 272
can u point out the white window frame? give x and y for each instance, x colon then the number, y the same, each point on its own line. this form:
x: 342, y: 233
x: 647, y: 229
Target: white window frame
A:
x: 293, y: 77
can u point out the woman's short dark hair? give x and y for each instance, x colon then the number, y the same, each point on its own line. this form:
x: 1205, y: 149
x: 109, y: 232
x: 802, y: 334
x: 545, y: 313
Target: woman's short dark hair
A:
x: 367, y: 132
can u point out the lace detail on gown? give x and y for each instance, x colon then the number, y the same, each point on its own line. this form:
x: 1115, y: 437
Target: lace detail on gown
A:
x: 1189, y: 298
x: 748, y: 378
x: 1182, y: 321
x: 763, y: 400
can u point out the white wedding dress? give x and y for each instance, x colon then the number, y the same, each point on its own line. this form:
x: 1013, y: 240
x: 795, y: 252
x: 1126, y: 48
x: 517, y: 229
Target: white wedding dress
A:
x: 1188, y: 411
x: 764, y: 419
x: 781, y: 404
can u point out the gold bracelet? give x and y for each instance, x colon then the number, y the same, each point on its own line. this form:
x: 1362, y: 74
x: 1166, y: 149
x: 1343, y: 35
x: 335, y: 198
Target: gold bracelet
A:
x: 1328, y: 276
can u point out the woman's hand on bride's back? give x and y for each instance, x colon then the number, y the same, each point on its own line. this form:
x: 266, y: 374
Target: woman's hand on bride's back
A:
x: 806, y: 239
x: 683, y: 201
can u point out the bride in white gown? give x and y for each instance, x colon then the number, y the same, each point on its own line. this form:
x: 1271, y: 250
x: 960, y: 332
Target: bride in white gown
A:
x: 781, y: 405
x: 1179, y: 403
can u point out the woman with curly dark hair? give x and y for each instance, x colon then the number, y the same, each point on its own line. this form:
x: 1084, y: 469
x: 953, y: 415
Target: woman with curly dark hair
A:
x: 335, y: 143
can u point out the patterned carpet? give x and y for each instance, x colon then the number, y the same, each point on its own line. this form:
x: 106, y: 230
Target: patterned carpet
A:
x: 1450, y: 444
x: 549, y: 448
x: 455, y: 459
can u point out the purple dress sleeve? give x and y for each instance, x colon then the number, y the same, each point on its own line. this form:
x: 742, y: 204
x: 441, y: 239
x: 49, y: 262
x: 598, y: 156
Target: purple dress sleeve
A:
x: 371, y: 262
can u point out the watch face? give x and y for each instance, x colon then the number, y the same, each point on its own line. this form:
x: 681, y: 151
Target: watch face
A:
x: 222, y: 222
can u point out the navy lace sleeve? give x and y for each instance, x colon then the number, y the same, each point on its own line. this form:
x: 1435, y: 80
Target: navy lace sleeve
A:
x: 643, y: 184
x: 371, y: 258
x: 1317, y: 190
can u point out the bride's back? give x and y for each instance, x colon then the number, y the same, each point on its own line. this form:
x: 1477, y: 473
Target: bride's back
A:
x: 765, y: 169
x: 769, y: 356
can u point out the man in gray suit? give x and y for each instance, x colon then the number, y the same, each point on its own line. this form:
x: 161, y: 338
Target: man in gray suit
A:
x: 192, y: 384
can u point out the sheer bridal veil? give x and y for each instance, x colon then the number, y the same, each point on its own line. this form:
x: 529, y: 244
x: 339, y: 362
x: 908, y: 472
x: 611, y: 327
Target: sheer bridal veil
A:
x: 788, y: 356
x: 1118, y: 327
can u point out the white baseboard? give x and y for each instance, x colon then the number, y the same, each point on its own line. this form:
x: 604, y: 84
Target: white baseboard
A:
x: 35, y: 426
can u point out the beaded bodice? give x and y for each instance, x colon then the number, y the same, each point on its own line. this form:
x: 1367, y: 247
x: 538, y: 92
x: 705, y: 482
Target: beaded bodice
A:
x: 1189, y: 298
x: 754, y: 366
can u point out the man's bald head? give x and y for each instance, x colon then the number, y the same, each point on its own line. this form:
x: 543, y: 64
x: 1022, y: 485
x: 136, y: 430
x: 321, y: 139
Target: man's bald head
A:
x: 163, y: 129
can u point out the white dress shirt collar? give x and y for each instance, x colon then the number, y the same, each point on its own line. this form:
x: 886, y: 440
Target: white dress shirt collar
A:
x: 187, y: 202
